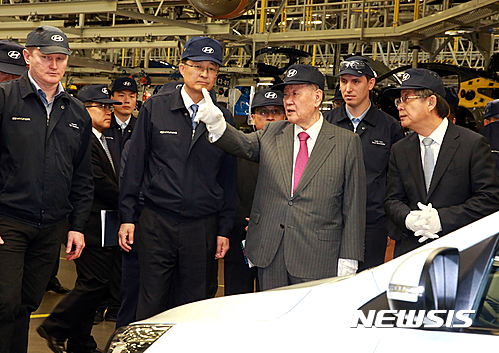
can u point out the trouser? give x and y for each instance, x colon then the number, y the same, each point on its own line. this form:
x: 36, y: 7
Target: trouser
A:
x: 26, y: 262
x: 73, y: 317
x: 111, y: 300
x: 375, y: 247
x: 130, y: 283
x: 276, y: 275
x: 176, y: 255
x: 238, y: 277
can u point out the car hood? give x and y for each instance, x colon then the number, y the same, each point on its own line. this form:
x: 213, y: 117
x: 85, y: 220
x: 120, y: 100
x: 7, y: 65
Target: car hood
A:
x: 263, y: 306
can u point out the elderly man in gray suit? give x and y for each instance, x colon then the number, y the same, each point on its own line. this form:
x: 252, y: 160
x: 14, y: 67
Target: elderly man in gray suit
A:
x: 308, y: 216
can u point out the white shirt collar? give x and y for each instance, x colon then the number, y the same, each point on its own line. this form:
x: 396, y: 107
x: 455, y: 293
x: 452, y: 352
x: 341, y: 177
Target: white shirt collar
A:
x: 122, y: 124
x: 438, y: 134
x: 96, y: 132
x: 312, y: 131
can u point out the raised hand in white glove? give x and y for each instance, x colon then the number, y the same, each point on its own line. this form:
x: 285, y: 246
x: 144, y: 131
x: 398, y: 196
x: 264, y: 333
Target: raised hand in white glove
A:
x: 211, y: 115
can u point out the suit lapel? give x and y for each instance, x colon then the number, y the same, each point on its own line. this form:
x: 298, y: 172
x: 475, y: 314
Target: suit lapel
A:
x: 322, y: 148
x: 285, y: 142
x: 447, y: 151
x: 110, y: 171
x: 413, y: 160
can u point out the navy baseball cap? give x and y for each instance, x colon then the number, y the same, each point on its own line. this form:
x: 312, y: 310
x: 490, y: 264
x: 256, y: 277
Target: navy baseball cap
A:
x: 203, y: 49
x: 49, y: 40
x: 122, y: 83
x: 96, y: 93
x: 418, y: 79
x: 11, y: 58
x: 451, y: 96
x: 492, y: 109
x: 267, y: 96
x: 300, y: 74
x: 357, y: 66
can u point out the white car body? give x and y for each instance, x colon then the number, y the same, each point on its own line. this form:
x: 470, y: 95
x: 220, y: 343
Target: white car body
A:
x: 317, y: 316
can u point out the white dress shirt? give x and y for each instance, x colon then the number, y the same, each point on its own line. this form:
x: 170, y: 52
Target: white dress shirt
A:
x: 438, y: 137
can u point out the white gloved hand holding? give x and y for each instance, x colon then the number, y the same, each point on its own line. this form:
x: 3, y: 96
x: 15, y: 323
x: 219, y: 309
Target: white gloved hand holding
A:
x: 417, y: 220
x: 211, y: 115
x: 432, y: 223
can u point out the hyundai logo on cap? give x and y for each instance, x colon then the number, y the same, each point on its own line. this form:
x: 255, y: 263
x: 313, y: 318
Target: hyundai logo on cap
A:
x: 104, y: 90
x: 292, y: 72
x: 406, y: 76
x: 57, y: 38
x: 127, y: 83
x: 208, y: 50
x: 14, y: 54
x: 270, y: 95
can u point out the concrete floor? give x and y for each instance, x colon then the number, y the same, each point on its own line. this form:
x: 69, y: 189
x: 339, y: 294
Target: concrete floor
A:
x: 67, y: 276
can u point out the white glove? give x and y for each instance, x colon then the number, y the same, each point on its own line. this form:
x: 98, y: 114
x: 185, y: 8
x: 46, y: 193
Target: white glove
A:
x: 347, y: 267
x: 211, y: 115
x: 428, y: 223
x: 417, y: 220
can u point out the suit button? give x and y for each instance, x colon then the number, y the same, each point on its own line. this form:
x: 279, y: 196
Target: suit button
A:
x: 290, y: 203
x: 281, y: 225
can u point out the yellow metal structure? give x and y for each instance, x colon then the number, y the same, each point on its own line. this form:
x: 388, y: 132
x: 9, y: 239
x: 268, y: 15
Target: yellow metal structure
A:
x: 476, y: 93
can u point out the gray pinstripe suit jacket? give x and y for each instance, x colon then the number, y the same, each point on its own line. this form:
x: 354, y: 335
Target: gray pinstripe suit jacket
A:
x: 325, y: 218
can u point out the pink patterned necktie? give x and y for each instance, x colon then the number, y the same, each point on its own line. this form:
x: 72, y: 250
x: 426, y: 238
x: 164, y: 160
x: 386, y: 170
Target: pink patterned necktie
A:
x: 301, y: 158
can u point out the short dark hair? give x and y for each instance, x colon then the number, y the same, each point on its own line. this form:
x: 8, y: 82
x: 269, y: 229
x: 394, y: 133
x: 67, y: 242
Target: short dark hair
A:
x: 442, y: 106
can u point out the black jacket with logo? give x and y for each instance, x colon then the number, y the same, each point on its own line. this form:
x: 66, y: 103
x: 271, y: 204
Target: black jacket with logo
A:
x: 378, y: 131
x: 179, y: 174
x: 45, y: 170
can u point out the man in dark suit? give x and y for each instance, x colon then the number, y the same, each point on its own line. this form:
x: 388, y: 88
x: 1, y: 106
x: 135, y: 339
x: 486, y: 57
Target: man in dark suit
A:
x: 267, y: 106
x: 440, y: 178
x: 72, y: 319
x: 308, y: 216
x: 378, y: 131
x: 124, y: 90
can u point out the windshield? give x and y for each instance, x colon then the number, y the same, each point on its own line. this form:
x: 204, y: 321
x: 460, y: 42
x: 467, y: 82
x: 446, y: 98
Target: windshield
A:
x: 488, y: 312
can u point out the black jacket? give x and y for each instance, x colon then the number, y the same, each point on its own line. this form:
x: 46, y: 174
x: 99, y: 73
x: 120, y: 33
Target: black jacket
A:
x: 181, y: 175
x: 378, y: 131
x: 45, y: 171
x: 116, y: 140
x: 105, y: 194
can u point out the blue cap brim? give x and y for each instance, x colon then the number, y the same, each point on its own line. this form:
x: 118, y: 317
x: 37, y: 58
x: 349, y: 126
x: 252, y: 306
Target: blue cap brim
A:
x: 54, y: 49
x: 204, y: 58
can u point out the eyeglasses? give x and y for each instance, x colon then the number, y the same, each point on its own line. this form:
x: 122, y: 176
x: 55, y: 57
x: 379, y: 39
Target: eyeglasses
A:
x: 266, y: 112
x: 200, y: 69
x: 103, y: 106
x: 354, y: 64
x: 404, y: 100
